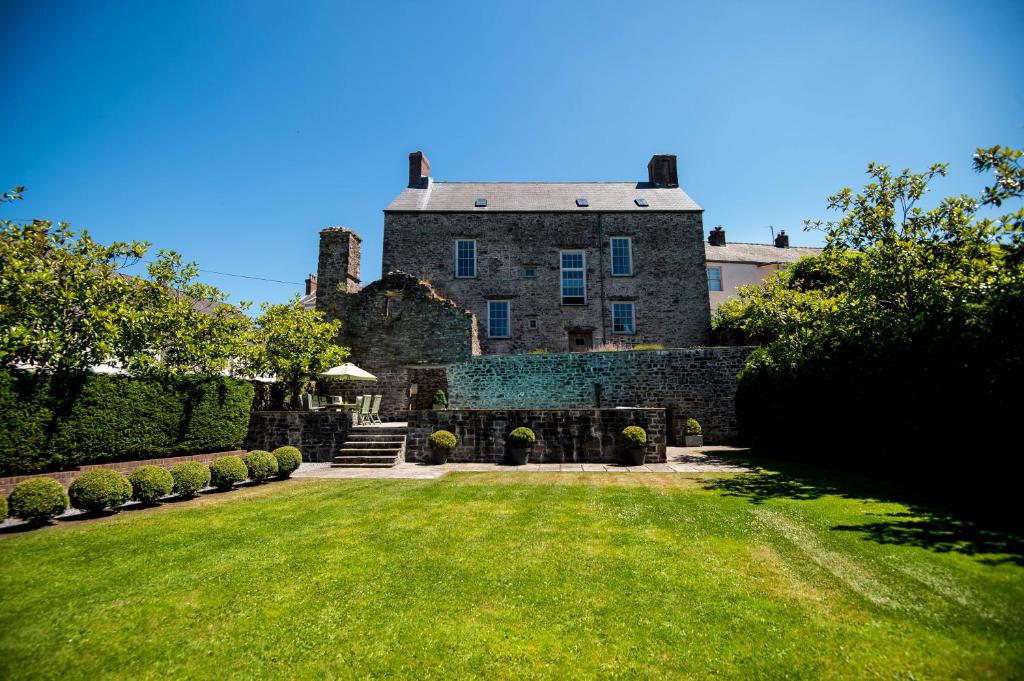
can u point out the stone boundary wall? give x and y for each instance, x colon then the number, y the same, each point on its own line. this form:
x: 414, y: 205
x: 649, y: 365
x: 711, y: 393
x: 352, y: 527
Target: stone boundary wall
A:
x: 67, y: 477
x: 692, y: 382
x: 563, y: 435
x: 318, y: 434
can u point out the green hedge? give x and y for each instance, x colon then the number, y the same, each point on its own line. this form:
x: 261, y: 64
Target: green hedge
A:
x: 44, y: 427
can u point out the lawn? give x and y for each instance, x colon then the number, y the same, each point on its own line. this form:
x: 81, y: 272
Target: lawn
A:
x: 517, y: 574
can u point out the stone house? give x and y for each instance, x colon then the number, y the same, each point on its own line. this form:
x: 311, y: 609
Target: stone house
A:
x: 730, y: 266
x: 557, y: 266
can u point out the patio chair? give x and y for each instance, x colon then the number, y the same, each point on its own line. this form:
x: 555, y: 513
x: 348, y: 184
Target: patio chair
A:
x: 375, y: 409
x: 312, y: 402
x: 363, y: 414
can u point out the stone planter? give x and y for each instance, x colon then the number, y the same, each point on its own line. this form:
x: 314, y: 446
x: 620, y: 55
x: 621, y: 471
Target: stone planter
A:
x: 635, y: 456
x: 693, y: 440
x: 439, y: 455
x: 518, y: 456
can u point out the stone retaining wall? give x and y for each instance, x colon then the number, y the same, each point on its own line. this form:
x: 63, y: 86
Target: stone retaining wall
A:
x: 691, y: 382
x: 67, y: 477
x: 563, y: 435
x: 317, y: 434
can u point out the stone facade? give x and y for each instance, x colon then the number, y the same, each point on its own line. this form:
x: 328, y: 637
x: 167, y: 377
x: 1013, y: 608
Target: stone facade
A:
x: 318, y: 434
x: 392, y: 326
x: 692, y: 382
x: 563, y: 436
x: 668, y: 287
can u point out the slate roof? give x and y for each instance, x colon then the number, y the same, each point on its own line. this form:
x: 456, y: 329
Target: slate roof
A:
x: 529, y: 197
x: 756, y: 254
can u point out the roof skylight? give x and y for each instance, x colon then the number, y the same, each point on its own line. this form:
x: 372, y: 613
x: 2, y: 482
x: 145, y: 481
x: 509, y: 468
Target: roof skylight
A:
x: 641, y: 202
x: 582, y: 203
x: 481, y: 203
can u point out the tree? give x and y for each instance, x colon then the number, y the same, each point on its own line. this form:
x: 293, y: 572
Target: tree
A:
x: 294, y: 344
x: 67, y: 306
x: 910, y: 318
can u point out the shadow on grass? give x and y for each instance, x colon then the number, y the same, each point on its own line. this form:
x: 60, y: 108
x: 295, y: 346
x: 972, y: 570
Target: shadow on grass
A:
x: 951, y: 524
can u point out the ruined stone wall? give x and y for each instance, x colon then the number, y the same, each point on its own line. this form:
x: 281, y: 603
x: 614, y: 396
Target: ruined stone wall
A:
x: 563, y: 436
x: 691, y: 382
x: 391, y: 325
x: 668, y: 286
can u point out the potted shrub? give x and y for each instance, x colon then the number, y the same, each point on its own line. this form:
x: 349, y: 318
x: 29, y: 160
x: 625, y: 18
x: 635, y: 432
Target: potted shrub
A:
x: 440, y: 400
x: 693, y: 434
x: 518, y: 445
x: 635, y: 438
x: 441, y: 445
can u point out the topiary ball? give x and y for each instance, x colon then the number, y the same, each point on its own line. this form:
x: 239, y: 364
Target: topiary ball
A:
x: 149, y: 483
x: 442, y: 439
x: 635, y: 436
x: 97, y: 490
x: 190, y: 477
x: 3, y: 508
x: 225, y: 471
x: 37, y: 500
x: 693, y: 427
x: 261, y: 465
x: 521, y: 438
x: 288, y: 460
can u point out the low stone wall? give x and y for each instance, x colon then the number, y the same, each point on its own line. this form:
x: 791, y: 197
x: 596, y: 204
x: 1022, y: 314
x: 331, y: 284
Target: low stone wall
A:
x: 317, y: 434
x: 563, y: 435
x: 67, y: 477
x: 689, y: 382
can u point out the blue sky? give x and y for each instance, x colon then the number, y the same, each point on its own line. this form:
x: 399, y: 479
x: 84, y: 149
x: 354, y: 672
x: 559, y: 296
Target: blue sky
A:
x: 232, y: 132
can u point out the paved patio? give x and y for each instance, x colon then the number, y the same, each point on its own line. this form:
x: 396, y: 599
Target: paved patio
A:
x: 680, y: 460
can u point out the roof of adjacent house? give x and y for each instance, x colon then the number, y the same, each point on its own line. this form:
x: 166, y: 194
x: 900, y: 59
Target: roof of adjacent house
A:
x: 756, y: 254
x: 529, y: 197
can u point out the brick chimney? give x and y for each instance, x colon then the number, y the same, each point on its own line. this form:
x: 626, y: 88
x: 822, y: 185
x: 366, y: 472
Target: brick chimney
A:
x: 661, y: 170
x: 717, y: 237
x: 311, y: 284
x: 419, y: 169
x: 782, y: 240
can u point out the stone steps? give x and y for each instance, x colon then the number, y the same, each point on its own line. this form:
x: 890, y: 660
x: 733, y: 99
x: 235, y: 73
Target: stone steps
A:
x: 371, y: 447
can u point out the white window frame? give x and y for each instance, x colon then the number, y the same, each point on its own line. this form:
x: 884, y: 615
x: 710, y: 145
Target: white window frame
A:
x: 465, y: 276
x: 508, y: 317
x: 632, y: 317
x: 611, y: 252
x: 720, y: 284
x: 561, y: 274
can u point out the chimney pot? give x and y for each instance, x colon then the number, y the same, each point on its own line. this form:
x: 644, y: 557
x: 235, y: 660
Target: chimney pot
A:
x: 717, y: 236
x: 782, y: 240
x: 419, y: 169
x: 311, y: 284
x: 661, y: 170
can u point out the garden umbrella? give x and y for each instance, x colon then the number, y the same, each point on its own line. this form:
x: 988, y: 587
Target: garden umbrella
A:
x: 348, y: 372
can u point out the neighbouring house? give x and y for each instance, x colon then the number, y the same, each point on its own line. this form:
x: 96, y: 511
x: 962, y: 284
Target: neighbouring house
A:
x: 559, y: 266
x: 730, y: 266
x: 308, y: 301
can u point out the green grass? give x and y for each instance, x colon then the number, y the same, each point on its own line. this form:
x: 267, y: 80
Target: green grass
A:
x: 517, y: 574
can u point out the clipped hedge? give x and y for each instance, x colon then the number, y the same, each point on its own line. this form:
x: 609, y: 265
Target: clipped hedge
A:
x: 3, y: 508
x: 261, y: 465
x: 37, y: 500
x: 443, y: 439
x: 149, y: 483
x: 225, y: 471
x: 288, y: 460
x: 97, y: 490
x: 521, y: 438
x: 48, y: 427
